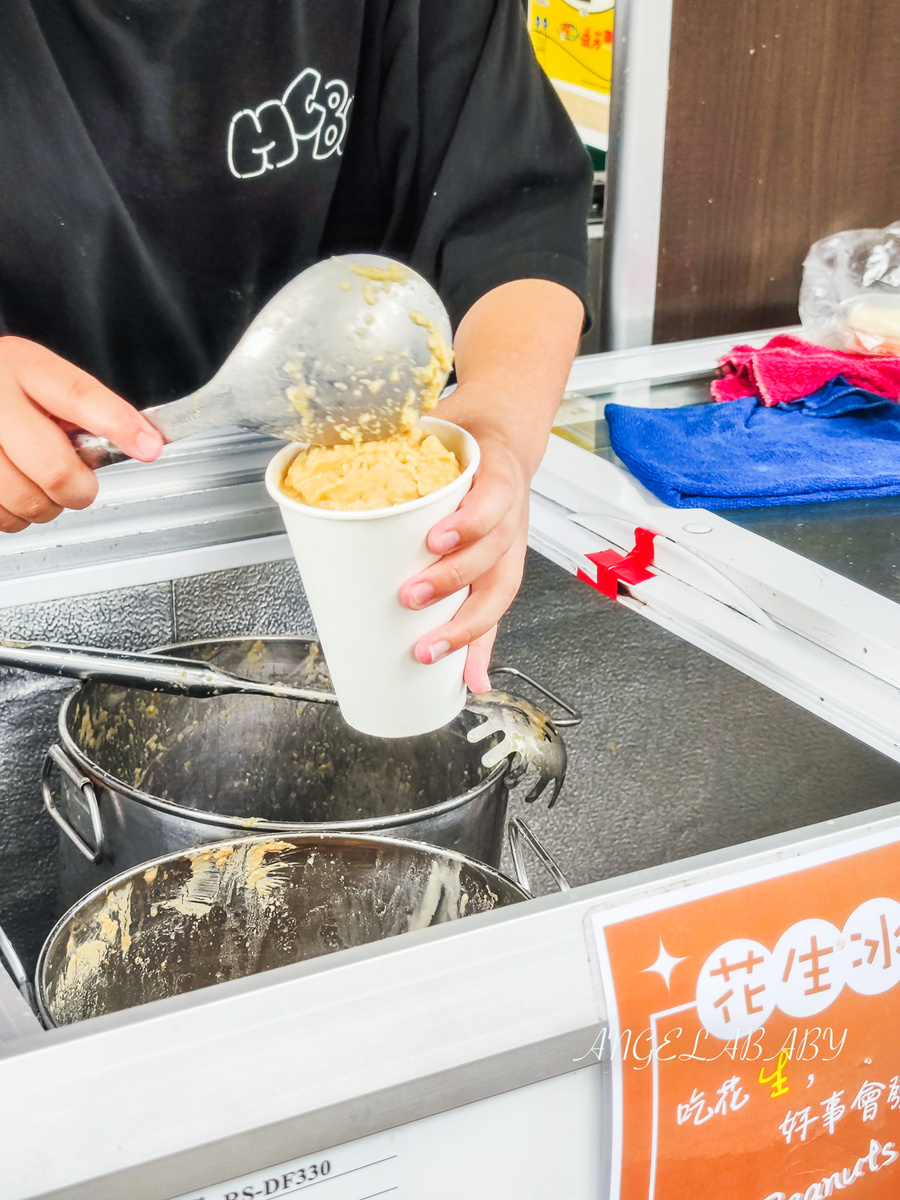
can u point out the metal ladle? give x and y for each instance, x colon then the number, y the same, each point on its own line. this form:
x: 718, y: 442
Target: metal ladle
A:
x: 355, y: 343
x: 151, y: 672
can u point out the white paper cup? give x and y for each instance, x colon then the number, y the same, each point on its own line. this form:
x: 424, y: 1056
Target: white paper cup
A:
x: 353, y: 565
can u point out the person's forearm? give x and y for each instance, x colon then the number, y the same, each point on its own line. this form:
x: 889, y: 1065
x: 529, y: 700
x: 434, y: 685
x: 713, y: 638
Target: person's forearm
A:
x: 513, y: 352
x: 514, y: 348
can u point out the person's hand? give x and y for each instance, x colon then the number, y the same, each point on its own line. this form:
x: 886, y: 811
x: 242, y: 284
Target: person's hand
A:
x: 483, y: 547
x: 41, y: 395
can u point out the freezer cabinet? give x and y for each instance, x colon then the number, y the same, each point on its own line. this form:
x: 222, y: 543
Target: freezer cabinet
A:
x: 738, y: 724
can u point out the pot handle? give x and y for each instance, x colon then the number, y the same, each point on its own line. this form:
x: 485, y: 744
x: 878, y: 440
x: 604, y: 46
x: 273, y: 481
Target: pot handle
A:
x: 574, y: 717
x: 17, y: 971
x: 517, y: 830
x: 56, y: 756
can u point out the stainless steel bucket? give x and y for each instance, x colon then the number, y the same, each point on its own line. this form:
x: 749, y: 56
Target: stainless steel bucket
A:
x: 145, y: 774
x: 231, y: 909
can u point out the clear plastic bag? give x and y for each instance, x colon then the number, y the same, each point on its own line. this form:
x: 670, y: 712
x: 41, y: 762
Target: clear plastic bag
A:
x: 850, y: 295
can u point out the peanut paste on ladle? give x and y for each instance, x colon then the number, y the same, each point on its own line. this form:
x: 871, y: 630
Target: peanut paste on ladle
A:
x: 358, y: 474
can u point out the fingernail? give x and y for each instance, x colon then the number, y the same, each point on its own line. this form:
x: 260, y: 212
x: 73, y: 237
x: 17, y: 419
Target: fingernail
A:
x: 421, y: 593
x: 443, y: 543
x: 439, y: 650
x: 148, y: 445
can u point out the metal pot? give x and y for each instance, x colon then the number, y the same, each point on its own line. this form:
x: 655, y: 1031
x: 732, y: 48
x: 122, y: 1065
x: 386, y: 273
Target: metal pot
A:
x: 234, y: 908
x: 143, y: 774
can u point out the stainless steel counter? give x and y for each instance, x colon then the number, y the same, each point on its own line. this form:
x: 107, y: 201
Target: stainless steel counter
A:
x: 680, y: 754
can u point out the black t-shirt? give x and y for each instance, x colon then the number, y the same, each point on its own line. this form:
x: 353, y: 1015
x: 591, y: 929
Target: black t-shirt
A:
x: 166, y: 165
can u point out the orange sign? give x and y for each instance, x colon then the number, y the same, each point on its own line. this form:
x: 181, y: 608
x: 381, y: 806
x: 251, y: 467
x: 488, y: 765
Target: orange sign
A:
x: 753, y: 1035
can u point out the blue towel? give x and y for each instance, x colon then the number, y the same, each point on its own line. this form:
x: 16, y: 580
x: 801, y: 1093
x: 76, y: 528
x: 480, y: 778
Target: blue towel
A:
x: 837, y: 444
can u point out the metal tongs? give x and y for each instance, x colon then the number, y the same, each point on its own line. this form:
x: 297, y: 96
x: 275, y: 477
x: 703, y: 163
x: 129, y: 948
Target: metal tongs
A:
x: 526, y: 736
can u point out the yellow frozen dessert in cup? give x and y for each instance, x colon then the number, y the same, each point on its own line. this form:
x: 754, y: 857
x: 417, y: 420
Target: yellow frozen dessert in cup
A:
x: 373, y: 474
x: 358, y: 518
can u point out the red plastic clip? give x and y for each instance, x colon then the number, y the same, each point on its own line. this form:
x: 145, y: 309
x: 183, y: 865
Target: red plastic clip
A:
x: 614, y: 568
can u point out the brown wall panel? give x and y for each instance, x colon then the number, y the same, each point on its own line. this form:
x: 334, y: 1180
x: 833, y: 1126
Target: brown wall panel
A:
x: 783, y: 126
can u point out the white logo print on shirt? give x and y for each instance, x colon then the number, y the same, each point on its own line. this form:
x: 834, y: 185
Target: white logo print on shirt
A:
x: 269, y: 136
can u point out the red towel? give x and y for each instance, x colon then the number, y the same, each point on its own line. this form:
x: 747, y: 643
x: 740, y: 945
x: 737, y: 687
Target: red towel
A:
x: 788, y: 369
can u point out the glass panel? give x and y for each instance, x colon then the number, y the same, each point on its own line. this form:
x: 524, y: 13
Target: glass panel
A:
x: 581, y: 418
x: 859, y: 539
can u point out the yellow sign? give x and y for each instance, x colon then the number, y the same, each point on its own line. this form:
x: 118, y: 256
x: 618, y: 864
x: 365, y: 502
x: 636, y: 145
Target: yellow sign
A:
x: 573, y: 43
